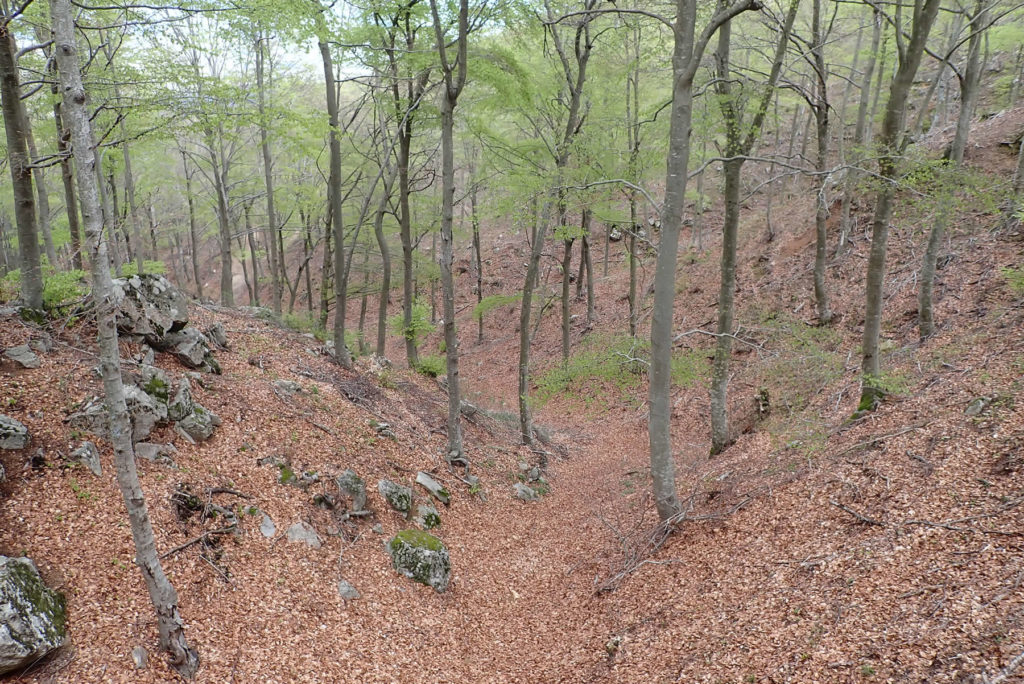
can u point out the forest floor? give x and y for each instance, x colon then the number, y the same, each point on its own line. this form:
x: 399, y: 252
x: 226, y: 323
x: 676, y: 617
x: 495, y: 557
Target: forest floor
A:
x: 817, y: 549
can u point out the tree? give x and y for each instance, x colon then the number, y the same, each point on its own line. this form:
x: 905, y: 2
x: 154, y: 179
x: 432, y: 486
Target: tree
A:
x: 16, y: 125
x: 165, y: 600
x: 891, y: 145
x: 454, y: 76
x: 740, y: 139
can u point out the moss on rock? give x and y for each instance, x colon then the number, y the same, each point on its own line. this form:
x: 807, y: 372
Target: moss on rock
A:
x: 421, y: 557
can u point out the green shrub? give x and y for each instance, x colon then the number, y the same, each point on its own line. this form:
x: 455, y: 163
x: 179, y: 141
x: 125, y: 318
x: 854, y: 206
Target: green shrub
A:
x: 150, y: 267
x: 804, y: 360
x: 420, y: 326
x: 489, y: 304
x: 60, y: 288
x: 1014, y: 280
x: 432, y: 366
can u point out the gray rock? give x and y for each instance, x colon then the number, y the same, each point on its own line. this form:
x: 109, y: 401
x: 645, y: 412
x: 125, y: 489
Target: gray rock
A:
x: 145, y: 411
x: 32, y: 616
x: 384, y: 430
x: 534, y: 474
x: 399, y: 497
x: 421, y: 557
x: 200, y: 424
x: 190, y: 347
x: 148, y: 357
x: 149, y: 306
x: 302, y: 532
x: 13, y: 434
x: 182, y: 405
x: 435, y: 488
x: 217, y: 335
x: 377, y: 527
x: 978, y: 406
x: 347, y: 591
x: 427, y: 517
x: 140, y: 657
x: 156, y: 453
x: 289, y: 387
x: 23, y: 356
x: 155, y: 383
x: 267, y: 528
x: 352, y: 486
x: 42, y: 344
x: 524, y: 493
x: 89, y: 456
x: 3, y: 473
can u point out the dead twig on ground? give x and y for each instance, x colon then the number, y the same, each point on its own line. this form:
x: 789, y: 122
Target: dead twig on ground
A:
x: 859, y: 516
x: 201, y: 538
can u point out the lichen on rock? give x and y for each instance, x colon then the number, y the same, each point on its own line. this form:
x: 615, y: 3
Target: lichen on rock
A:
x: 421, y: 557
x: 32, y: 616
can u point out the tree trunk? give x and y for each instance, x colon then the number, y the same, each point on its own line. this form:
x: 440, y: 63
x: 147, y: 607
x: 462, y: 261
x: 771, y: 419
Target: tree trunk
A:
x: 861, y: 131
x: 566, y: 288
x: 251, y: 240
x: 588, y: 260
x: 67, y: 176
x: 474, y: 219
x: 326, y: 277
x: 43, y: 201
x: 341, y: 353
x: 634, y: 305
x: 891, y: 146
x: 16, y: 127
x: 385, y: 257
x: 219, y: 173
x: 821, y: 109
x: 268, y: 175
x: 970, y: 83
x: 193, y: 228
x: 525, y: 311
x: 172, y: 636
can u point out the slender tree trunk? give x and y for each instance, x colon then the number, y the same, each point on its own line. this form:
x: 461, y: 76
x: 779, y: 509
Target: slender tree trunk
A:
x: 385, y: 256
x: 952, y: 36
x: 821, y: 109
x: 525, y: 311
x: 925, y: 310
x: 861, y: 131
x: 16, y: 127
x: 474, y: 219
x: 43, y: 201
x: 1018, y: 78
x: 129, y: 190
x: 891, y: 146
x: 268, y: 174
x: 363, y: 347
x: 589, y: 262
x: 193, y: 228
x: 341, y: 352
x: 307, y: 253
x: 566, y: 288
x: 970, y: 83
x: 172, y: 636
x: 634, y: 305
x: 251, y: 240
x: 405, y: 234
x: 67, y: 175
x: 326, y: 277
x: 218, y: 166
x: 151, y: 214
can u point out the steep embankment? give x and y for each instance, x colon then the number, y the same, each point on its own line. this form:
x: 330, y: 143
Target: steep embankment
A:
x: 816, y: 549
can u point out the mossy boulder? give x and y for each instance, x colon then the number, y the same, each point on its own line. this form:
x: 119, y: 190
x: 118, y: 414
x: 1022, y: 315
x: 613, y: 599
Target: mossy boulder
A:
x: 32, y: 617
x: 352, y: 486
x: 399, y: 497
x: 13, y: 434
x: 421, y: 557
x: 199, y: 425
x: 427, y: 517
x: 182, y: 405
x: 155, y: 383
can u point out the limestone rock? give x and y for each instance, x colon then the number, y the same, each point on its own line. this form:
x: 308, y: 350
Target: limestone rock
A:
x: 289, y: 387
x: 421, y: 557
x: 140, y: 657
x: 13, y: 434
x: 427, y: 517
x: 182, y: 406
x: 89, y: 456
x: 92, y: 417
x: 31, y: 615
x: 435, y: 488
x: 399, y: 497
x: 352, y: 486
x: 200, y: 424
x: 302, y: 532
x: 149, y: 306
x: 156, y: 453
x: 190, y: 347
x: 145, y: 411
x: 217, y: 335
x: 267, y: 528
x: 524, y: 493
x: 23, y: 356
x: 347, y: 591
x: 42, y: 344
x: 155, y: 383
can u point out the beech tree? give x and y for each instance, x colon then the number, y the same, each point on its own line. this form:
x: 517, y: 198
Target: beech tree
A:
x: 183, y: 658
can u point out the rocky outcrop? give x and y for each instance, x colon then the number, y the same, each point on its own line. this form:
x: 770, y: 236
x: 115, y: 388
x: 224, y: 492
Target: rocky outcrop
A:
x: 89, y: 456
x: 32, y: 616
x: 190, y: 347
x: 13, y: 434
x: 435, y: 488
x: 352, y: 486
x: 149, y: 307
x: 146, y: 411
x: 23, y: 356
x: 421, y: 557
x: 199, y: 425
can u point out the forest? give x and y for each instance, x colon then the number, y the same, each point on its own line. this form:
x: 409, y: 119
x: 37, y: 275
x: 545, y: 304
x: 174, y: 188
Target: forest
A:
x: 700, y: 321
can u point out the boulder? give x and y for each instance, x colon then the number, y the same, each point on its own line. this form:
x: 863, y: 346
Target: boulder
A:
x: 524, y: 493
x: 182, y: 406
x: 149, y: 306
x: 352, y: 486
x: 216, y: 334
x: 267, y: 527
x: 23, y: 356
x: 156, y: 453
x: 427, y: 517
x: 288, y: 387
x: 399, y: 497
x: 31, y: 615
x: 13, y: 434
x: 42, y: 344
x: 190, y: 347
x: 89, y: 456
x: 145, y: 411
x: 435, y: 488
x: 155, y: 383
x: 421, y: 557
x: 303, y: 532
x: 199, y: 425
x: 91, y: 417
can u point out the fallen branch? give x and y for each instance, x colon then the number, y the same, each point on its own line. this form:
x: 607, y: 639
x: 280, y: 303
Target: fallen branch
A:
x: 1007, y: 671
x: 859, y: 516
x: 879, y: 438
x: 201, y: 538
